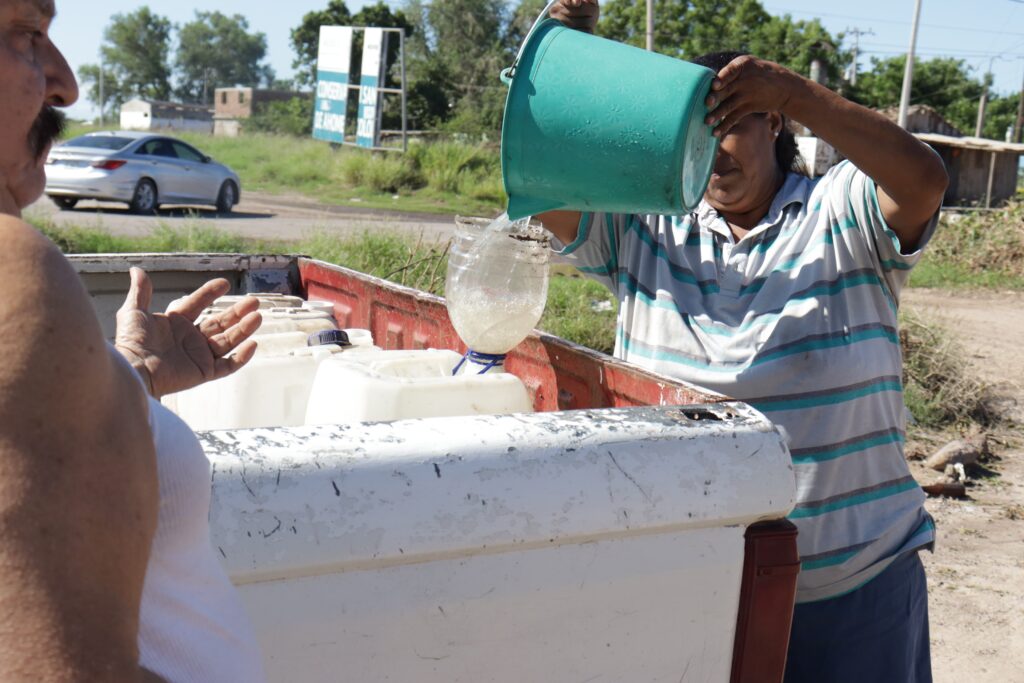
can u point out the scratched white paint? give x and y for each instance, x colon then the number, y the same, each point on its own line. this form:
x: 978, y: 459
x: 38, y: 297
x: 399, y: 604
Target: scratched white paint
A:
x: 589, y: 545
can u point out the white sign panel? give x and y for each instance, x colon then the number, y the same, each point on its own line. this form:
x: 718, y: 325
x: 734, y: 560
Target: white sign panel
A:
x: 334, y: 57
x: 370, y: 80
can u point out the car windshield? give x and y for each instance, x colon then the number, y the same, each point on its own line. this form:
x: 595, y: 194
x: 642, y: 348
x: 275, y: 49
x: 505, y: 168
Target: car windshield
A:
x: 111, y: 142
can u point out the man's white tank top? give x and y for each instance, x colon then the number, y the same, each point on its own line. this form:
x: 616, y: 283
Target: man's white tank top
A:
x: 192, y: 625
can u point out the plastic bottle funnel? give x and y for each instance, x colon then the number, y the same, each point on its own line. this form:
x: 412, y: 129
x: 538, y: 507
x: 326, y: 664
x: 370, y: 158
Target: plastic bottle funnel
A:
x: 595, y: 125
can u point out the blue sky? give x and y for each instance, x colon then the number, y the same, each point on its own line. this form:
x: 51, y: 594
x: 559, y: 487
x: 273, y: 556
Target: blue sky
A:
x: 978, y: 32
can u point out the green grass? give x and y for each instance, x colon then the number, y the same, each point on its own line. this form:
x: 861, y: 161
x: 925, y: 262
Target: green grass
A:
x: 580, y: 310
x: 194, y: 237
x: 442, y: 177
x: 383, y: 255
x: 981, y: 250
x: 939, y: 389
x: 577, y: 309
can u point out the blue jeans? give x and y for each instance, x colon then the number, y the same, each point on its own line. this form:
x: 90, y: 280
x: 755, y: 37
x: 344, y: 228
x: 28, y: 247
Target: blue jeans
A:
x: 875, y: 634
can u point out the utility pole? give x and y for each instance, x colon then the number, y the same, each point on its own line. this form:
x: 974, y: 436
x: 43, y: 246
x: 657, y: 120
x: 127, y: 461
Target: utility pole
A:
x: 650, y: 25
x: 908, y: 73
x: 980, y: 125
x: 857, y: 33
x: 103, y: 99
x: 983, y: 103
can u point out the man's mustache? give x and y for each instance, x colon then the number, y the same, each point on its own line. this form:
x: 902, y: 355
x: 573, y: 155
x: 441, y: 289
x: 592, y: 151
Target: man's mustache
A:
x: 48, y: 126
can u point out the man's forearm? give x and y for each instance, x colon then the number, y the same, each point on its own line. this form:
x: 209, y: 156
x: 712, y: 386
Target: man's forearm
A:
x: 907, y: 170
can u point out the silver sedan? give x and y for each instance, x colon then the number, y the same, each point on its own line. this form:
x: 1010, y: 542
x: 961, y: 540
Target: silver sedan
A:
x: 142, y: 169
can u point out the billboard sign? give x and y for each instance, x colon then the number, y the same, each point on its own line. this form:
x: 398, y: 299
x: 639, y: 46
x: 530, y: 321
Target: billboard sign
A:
x: 334, y: 57
x: 370, y: 80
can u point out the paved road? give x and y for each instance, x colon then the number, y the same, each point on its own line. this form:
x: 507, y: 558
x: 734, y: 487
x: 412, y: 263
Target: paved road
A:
x: 259, y: 216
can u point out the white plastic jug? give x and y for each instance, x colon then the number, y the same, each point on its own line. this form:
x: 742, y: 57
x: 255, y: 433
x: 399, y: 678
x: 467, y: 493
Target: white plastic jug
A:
x: 283, y: 313
x: 267, y: 300
x: 276, y: 321
x: 272, y: 390
x: 398, y: 385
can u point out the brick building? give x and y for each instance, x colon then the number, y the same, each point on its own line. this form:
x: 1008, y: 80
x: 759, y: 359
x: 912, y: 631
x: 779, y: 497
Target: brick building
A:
x: 234, y: 105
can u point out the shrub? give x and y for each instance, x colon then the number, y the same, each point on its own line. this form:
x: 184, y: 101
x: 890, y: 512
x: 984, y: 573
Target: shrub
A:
x: 938, y: 389
x: 284, y: 117
x: 977, y: 249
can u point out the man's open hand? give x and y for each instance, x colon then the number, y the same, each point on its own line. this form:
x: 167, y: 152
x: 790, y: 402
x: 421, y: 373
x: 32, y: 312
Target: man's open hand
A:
x: 170, y: 351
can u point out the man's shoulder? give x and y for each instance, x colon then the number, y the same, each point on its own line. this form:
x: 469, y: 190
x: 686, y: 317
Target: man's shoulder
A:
x: 52, y: 348
x: 22, y: 240
x: 37, y: 282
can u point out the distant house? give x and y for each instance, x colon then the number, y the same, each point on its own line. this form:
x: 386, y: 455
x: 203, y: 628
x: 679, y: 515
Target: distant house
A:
x: 924, y: 119
x: 155, y: 115
x: 981, y: 171
x: 234, y: 105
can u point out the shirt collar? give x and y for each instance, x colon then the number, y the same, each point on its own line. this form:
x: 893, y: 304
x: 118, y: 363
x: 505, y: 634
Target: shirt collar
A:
x: 795, y: 189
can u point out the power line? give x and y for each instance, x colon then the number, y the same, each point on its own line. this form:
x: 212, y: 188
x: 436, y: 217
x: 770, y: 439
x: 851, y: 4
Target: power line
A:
x: 903, y: 23
x: 941, y: 50
x: 945, y: 53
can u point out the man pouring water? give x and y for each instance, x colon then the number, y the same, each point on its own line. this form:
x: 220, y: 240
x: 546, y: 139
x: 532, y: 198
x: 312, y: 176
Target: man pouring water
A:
x: 782, y: 291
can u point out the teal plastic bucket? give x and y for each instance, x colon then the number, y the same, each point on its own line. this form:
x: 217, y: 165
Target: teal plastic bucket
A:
x: 595, y: 125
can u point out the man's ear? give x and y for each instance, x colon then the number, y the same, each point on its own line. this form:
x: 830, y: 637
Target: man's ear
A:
x: 776, y: 122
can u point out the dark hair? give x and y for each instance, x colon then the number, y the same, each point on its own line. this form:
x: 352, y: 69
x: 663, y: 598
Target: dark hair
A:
x: 787, y: 155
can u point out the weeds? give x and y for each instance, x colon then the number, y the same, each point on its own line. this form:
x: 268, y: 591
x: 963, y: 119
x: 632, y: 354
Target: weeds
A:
x: 441, y: 177
x: 193, y: 237
x: 582, y: 311
x: 383, y: 255
x: 938, y: 390
x: 980, y: 249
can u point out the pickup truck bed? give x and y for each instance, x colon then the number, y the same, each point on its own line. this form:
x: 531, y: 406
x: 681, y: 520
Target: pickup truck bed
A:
x: 630, y: 530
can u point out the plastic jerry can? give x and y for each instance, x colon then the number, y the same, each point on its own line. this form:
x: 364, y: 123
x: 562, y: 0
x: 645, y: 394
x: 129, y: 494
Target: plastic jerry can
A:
x: 398, y: 385
x: 270, y: 391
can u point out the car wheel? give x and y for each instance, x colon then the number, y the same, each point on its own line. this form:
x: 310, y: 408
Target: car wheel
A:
x: 227, y: 197
x: 144, y: 197
x: 65, y: 203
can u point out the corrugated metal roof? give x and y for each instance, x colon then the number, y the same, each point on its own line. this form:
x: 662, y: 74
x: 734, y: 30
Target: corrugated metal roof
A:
x: 970, y: 143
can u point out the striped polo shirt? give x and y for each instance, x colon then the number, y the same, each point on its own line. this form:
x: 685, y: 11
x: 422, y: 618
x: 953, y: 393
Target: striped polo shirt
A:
x: 798, y: 319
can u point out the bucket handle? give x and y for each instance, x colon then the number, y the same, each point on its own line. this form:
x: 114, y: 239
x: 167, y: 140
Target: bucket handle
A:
x: 507, y: 74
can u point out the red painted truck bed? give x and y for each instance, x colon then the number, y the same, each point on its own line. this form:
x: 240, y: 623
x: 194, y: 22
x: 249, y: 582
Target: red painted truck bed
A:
x: 559, y: 374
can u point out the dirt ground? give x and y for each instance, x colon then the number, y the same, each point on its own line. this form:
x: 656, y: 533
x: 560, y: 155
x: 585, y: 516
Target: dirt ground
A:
x: 976, y: 575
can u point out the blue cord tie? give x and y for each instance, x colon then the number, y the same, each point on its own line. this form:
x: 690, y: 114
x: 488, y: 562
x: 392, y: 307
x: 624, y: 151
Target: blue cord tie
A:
x: 488, y: 360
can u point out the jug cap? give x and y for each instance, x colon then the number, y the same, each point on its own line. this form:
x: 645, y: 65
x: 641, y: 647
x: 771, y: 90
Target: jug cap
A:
x: 328, y: 337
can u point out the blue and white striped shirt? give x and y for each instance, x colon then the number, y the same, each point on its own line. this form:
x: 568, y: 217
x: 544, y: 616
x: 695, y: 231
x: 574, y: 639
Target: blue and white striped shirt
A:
x: 798, y: 319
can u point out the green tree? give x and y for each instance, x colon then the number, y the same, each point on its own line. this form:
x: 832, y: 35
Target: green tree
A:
x: 284, y: 117
x: 114, y: 93
x: 626, y: 22
x: 429, y: 86
x: 521, y: 21
x: 135, y: 59
x: 943, y: 83
x: 466, y: 42
x: 381, y: 16
x: 216, y: 50
x: 688, y: 28
x: 1000, y: 115
x: 305, y: 38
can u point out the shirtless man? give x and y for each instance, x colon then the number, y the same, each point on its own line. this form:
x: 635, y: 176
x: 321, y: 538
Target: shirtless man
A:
x: 78, y: 477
